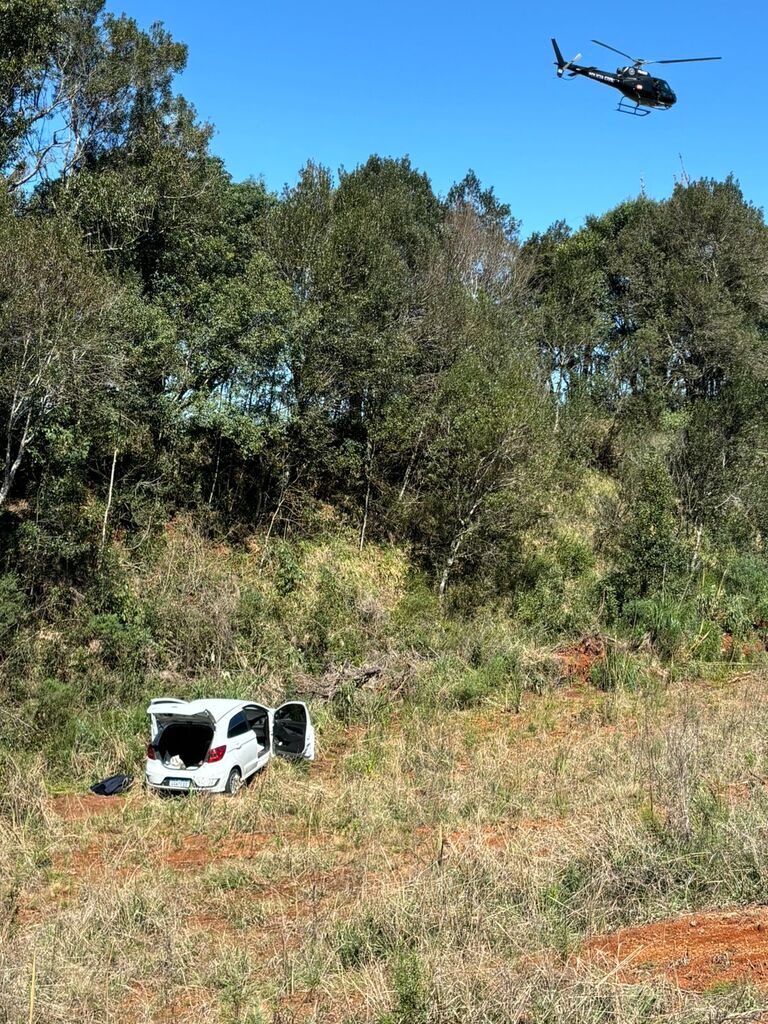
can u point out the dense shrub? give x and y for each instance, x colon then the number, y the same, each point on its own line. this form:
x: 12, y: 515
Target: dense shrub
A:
x: 642, y: 534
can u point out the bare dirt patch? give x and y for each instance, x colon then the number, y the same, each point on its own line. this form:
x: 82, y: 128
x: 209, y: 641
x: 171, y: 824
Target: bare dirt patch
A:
x: 74, y: 806
x: 199, y: 851
x: 696, y: 952
x: 578, y: 660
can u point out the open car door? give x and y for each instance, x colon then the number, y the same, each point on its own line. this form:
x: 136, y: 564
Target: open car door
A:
x: 293, y: 734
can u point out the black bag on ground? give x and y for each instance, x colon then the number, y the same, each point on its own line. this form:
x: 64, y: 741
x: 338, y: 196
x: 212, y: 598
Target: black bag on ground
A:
x: 114, y: 784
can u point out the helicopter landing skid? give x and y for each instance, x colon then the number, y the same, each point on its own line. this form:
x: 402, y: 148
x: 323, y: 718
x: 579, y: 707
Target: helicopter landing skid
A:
x: 627, y: 107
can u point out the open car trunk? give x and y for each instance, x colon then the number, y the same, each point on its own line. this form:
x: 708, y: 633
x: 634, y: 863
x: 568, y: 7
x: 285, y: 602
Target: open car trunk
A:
x: 187, y: 741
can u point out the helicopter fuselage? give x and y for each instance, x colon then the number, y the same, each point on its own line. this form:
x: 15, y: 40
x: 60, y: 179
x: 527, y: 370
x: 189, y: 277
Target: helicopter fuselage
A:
x: 634, y: 83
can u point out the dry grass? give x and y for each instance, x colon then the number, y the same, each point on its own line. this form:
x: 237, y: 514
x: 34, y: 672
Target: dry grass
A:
x: 444, y: 866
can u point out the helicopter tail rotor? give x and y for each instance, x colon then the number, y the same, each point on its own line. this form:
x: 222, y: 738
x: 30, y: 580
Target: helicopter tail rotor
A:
x: 562, y: 64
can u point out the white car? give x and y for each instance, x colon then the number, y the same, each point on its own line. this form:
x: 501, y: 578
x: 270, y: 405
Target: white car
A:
x: 215, y: 745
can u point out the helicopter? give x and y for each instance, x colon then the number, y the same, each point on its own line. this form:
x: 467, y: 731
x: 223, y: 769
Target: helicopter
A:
x: 639, y: 89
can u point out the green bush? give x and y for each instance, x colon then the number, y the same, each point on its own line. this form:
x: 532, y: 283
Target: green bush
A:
x: 287, y: 572
x: 641, y: 532
x: 618, y: 670
x: 13, y: 604
x: 555, y: 592
x: 331, y: 628
x: 737, y: 595
x: 120, y: 645
x: 499, y: 678
x: 365, y: 940
x: 412, y: 995
x: 676, y: 628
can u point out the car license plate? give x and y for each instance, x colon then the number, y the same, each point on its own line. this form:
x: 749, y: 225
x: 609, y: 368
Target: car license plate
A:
x: 178, y: 783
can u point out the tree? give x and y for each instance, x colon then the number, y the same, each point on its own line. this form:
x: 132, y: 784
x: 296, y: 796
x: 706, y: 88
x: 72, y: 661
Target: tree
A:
x: 569, y: 321
x: 57, y: 333
x: 354, y: 258
x: 486, y: 457
x: 78, y: 83
x: 27, y: 44
x: 689, y: 291
x: 481, y: 241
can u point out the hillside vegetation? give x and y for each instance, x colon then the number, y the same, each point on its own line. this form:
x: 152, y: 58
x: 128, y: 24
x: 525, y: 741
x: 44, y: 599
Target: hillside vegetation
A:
x: 250, y: 436
x: 495, y: 506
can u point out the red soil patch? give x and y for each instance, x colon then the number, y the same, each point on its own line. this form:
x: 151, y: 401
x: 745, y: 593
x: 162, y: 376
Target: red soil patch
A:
x: 178, y: 1005
x: 72, y: 806
x: 313, y: 1004
x: 578, y: 659
x: 434, y: 844
x: 195, y: 852
x: 298, y: 1007
x: 499, y: 834
x: 695, y: 951
x: 198, y: 850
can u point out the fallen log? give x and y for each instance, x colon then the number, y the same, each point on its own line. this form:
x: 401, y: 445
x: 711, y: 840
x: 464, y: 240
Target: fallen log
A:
x: 333, y: 680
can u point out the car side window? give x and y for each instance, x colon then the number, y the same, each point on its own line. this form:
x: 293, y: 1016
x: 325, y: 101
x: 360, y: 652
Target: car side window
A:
x: 237, y: 725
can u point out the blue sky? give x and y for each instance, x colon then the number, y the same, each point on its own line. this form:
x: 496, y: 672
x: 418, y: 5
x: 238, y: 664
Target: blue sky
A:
x: 454, y: 86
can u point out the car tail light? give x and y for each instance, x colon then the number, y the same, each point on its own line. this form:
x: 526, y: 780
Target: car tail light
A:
x: 216, y: 754
x: 151, y: 753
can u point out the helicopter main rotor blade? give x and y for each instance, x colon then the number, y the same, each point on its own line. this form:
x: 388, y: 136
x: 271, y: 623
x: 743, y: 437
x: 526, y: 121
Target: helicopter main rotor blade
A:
x: 681, y: 60
x: 621, y: 52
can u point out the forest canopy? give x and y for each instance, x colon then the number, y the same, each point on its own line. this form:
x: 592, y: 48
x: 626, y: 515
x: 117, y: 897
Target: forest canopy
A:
x: 573, y: 424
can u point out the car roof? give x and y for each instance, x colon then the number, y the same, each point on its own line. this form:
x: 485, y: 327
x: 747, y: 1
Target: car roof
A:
x: 217, y: 707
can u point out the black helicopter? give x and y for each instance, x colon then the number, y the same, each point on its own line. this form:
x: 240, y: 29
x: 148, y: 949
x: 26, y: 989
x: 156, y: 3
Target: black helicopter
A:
x: 632, y: 81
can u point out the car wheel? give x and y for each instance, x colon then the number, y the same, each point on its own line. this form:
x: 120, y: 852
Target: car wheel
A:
x: 234, y: 782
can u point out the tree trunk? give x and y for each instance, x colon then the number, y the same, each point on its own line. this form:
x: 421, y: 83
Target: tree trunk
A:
x: 449, y: 562
x: 368, y: 461
x: 456, y: 543
x: 12, y: 462
x: 109, y: 504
